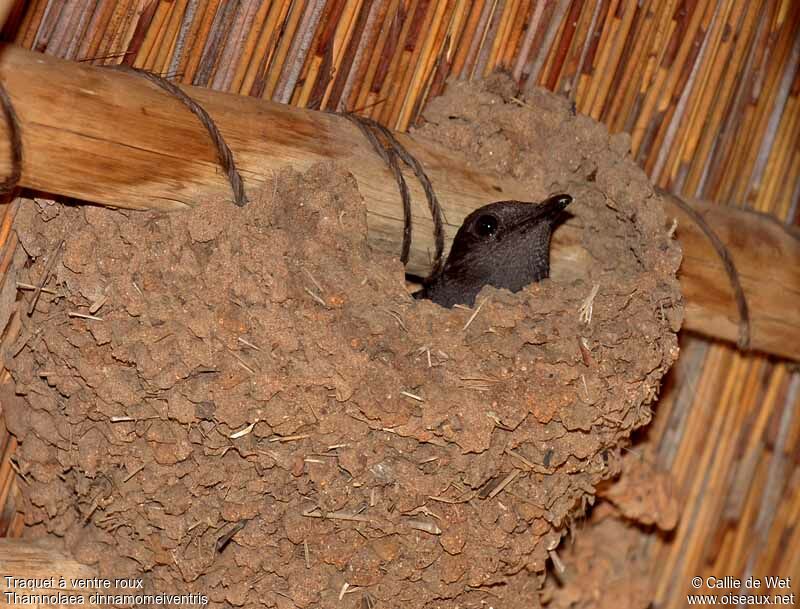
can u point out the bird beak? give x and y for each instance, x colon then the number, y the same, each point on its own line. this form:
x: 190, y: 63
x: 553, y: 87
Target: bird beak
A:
x: 546, y: 211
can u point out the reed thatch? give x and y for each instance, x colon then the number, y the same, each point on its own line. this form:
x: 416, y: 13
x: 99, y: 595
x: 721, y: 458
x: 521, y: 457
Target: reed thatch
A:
x: 710, y: 92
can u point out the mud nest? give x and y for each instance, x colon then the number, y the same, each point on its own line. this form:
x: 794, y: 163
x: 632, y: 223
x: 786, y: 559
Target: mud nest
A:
x: 251, y: 406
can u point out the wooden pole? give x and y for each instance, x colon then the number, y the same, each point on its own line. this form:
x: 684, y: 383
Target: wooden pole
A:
x: 113, y: 138
x: 41, y: 563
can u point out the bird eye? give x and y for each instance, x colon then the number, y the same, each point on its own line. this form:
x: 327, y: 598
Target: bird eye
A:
x: 485, y: 225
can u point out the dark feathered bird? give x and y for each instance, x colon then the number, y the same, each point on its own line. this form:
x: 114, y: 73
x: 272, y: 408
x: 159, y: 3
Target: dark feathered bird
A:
x: 504, y: 244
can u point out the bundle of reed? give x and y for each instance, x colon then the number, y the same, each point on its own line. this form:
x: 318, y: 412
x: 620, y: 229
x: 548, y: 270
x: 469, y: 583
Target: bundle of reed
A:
x: 729, y: 430
x: 708, y: 90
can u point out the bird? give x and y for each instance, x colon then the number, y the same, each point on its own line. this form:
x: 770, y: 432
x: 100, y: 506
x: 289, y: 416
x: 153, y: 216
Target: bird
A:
x: 505, y: 244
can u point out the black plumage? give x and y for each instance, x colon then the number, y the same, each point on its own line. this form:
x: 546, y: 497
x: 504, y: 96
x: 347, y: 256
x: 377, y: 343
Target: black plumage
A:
x: 504, y: 244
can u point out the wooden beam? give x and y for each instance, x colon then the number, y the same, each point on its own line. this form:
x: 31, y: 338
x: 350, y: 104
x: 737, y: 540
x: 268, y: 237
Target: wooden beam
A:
x: 766, y: 255
x: 43, y: 561
x: 114, y: 138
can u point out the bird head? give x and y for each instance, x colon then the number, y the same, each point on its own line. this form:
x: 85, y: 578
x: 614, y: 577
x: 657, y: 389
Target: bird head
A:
x: 506, y: 244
